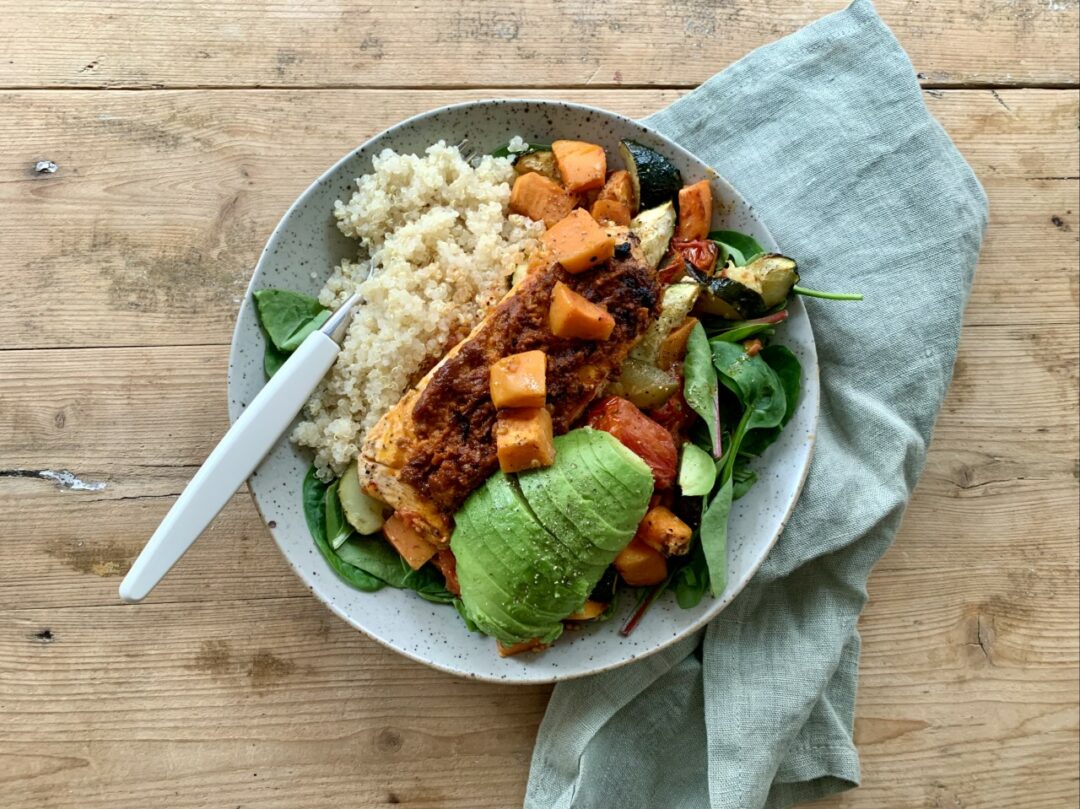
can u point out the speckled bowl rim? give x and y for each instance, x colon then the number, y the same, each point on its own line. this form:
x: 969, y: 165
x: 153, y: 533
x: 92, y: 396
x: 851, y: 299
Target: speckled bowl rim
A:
x: 527, y: 679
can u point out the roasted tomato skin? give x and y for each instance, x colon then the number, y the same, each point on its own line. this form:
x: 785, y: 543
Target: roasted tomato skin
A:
x: 701, y: 254
x: 640, y: 434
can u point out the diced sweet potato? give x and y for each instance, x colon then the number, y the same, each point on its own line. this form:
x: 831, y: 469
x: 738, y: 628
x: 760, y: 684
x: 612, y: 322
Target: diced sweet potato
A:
x: 533, y: 645
x: 446, y: 563
x: 574, y: 315
x: 611, y: 210
x: 524, y: 439
x: 695, y: 211
x: 639, y: 565
x: 519, y: 380
x: 413, y: 548
x: 620, y: 188
x: 540, y: 198
x: 663, y: 531
x: 581, y: 165
x: 673, y: 348
x: 752, y: 347
x: 578, y: 242
x: 590, y: 611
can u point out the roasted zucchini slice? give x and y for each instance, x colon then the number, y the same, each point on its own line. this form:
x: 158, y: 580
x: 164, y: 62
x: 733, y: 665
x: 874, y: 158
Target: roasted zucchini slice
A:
x: 655, y: 178
x: 654, y: 228
x: 752, y: 290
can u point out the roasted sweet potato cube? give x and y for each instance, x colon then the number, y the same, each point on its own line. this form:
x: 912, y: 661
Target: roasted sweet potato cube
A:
x: 611, y: 210
x: 639, y: 565
x: 540, y: 198
x: 519, y: 380
x: 662, y: 530
x: 413, y: 548
x: 524, y: 439
x: 695, y: 211
x: 578, y: 242
x: 574, y: 315
x: 581, y: 165
x: 620, y: 188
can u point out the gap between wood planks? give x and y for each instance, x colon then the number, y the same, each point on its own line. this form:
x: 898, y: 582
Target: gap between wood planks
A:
x: 226, y: 343
x: 397, y: 88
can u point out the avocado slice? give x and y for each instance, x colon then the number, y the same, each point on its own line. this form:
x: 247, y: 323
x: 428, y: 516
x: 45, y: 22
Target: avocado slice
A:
x: 530, y: 550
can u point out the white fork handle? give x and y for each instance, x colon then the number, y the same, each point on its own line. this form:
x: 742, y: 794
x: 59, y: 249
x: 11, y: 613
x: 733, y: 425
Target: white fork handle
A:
x: 231, y: 463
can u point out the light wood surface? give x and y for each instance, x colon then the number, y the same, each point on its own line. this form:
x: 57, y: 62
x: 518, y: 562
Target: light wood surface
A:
x: 122, y: 272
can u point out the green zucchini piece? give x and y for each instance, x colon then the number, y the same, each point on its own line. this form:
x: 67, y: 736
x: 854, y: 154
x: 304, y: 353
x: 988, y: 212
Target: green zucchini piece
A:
x: 363, y: 511
x: 654, y: 227
x: 754, y: 289
x: 655, y: 178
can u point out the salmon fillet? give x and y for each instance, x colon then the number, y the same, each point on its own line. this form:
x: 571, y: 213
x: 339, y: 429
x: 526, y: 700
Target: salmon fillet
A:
x: 437, y: 444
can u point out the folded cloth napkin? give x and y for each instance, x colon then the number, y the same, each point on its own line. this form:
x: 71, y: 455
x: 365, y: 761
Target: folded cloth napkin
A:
x: 826, y: 134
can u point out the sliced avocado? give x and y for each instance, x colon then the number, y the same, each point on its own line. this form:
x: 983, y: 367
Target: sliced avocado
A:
x: 518, y: 550
x: 493, y: 606
x: 655, y: 178
x: 754, y: 289
x: 654, y: 228
x: 364, y: 512
x: 527, y: 557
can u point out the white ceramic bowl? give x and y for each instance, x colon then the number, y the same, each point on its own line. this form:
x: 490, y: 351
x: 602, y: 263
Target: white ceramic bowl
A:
x: 299, y: 256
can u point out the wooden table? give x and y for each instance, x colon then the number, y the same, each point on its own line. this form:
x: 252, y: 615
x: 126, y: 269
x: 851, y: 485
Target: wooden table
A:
x: 181, y: 130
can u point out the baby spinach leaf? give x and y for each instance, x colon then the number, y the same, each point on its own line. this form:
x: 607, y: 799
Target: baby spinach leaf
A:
x: 273, y: 359
x: 375, y: 557
x: 742, y: 478
x: 288, y: 317
x: 753, y: 382
x: 714, y: 530
x: 788, y: 370
x: 700, y: 386
x: 337, y: 528
x: 745, y: 332
x: 314, y: 498
x: 692, y: 580
x: 739, y: 247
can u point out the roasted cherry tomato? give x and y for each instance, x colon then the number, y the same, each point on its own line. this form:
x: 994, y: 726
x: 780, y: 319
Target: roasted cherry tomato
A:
x: 701, y: 253
x: 638, y: 433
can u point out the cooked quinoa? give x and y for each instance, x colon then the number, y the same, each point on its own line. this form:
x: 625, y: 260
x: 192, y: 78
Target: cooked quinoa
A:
x: 437, y: 249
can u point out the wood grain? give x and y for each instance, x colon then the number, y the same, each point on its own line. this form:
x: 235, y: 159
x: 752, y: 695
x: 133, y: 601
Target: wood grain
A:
x: 232, y: 686
x: 148, y: 232
x: 121, y: 43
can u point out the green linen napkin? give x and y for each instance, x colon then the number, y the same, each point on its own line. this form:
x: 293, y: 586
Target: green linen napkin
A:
x: 826, y: 134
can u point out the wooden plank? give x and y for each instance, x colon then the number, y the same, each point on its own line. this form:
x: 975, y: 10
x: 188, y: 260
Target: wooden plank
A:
x: 147, y: 233
x: 56, y: 43
x: 269, y: 703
